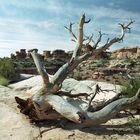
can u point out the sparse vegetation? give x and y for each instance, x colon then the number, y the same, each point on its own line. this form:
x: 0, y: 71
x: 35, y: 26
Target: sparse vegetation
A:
x: 7, y: 68
x: 3, y: 81
x: 130, y: 88
x: 134, y: 123
x: 24, y: 63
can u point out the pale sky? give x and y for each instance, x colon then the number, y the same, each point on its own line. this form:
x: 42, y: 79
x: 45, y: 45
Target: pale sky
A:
x: 40, y: 23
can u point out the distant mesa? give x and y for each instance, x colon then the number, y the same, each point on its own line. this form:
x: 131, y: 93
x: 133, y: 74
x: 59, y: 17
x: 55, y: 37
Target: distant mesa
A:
x: 19, y: 54
x: 56, y: 54
x: 47, y: 54
x: 126, y: 52
x: 122, y: 53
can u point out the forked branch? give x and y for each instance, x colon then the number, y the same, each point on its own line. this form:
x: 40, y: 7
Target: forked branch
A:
x: 63, y: 72
x: 124, y: 29
x: 98, y: 40
x: 40, y: 68
x: 88, y: 39
x: 74, y: 38
x: 80, y: 30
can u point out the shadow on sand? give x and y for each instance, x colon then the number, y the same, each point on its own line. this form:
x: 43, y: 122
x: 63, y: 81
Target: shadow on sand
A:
x: 120, y: 129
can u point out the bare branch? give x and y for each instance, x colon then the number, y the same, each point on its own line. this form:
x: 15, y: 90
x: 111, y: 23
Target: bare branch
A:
x: 40, y: 67
x: 80, y: 38
x: 89, y: 38
x: 88, y: 21
x: 100, y: 106
x: 110, y: 110
x: 74, y: 38
x: 98, y: 40
x: 93, y: 96
x: 124, y: 29
x: 80, y: 30
x: 130, y: 113
x: 75, y: 53
x: 62, y: 93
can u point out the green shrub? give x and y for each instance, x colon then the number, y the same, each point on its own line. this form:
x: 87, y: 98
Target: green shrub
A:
x: 130, y: 88
x: 3, y: 81
x: 134, y: 124
x: 7, y: 68
x: 25, y: 63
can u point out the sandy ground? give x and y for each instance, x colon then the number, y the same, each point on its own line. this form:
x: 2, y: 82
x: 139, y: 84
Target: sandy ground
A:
x: 16, y: 126
x: 113, y: 130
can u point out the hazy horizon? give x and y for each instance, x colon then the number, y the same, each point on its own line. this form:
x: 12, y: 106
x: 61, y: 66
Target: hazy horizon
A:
x: 40, y: 23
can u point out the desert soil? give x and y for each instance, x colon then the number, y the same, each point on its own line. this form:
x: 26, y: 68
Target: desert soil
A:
x: 16, y: 126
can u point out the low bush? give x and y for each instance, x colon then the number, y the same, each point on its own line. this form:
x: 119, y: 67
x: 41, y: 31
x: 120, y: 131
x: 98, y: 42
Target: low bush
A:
x: 7, y: 68
x: 130, y: 88
x: 3, y: 81
x: 134, y: 124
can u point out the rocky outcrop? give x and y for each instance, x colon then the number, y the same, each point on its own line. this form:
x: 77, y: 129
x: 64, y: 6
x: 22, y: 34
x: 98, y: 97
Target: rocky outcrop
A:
x: 29, y: 54
x: 58, y: 54
x: 126, y: 53
x: 108, y: 72
x: 47, y: 54
x: 122, y: 53
x: 21, y: 54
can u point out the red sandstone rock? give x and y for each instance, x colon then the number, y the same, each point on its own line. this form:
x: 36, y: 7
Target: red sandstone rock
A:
x: 126, y: 53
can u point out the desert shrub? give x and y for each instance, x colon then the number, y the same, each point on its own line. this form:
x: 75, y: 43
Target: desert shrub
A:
x: 3, y: 81
x: 48, y: 63
x: 129, y: 89
x: 107, y: 79
x: 78, y: 77
x: 7, y: 68
x: 134, y: 124
x: 24, y: 63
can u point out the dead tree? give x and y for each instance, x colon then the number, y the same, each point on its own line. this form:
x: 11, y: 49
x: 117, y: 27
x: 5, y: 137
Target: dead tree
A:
x: 49, y: 103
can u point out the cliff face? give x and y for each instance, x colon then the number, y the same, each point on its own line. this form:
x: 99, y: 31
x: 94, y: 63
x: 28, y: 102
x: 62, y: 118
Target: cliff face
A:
x: 58, y: 54
x: 126, y: 53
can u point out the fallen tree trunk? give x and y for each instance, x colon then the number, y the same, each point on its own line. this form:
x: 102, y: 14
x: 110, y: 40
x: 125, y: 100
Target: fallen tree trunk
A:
x: 109, y: 111
x: 62, y: 108
x: 51, y: 103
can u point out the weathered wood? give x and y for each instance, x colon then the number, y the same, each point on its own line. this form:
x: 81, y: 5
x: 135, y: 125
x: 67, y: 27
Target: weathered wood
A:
x: 74, y: 38
x: 49, y: 103
x: 63, y: 108
x: 109, y: 111
x: 41, y: 70
x: 102, y: 105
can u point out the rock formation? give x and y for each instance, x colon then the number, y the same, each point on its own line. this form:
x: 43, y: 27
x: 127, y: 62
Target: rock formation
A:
x: 108, y: 72
x: 126, y: 53
x: 58, y: 54
x: 29, y: 55
x: 47, y: 54
x: 21, y: 54
x: 122, y: 53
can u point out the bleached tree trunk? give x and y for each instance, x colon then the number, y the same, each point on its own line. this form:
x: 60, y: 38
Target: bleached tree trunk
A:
x: 49, y: 103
